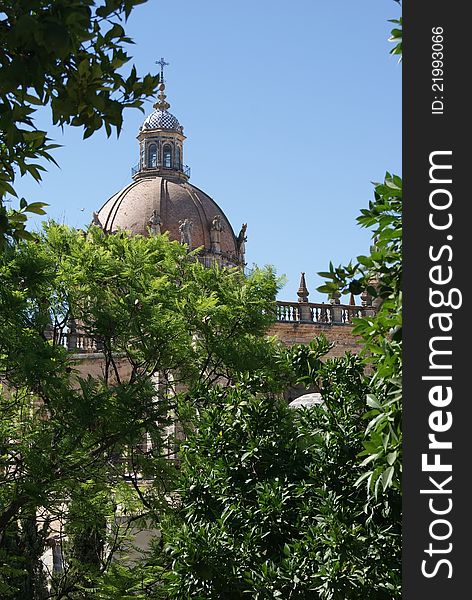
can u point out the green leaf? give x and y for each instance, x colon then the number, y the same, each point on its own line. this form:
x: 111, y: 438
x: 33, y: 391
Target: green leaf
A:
x: 387, y: 477
x: 36, y: 207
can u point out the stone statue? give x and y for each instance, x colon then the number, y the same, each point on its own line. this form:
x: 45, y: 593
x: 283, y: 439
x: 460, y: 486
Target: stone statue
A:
x: 185, y: 228
x: 96, y: 220
x: 155, y: 223
x: 241, y: 242
x: 216, y: 227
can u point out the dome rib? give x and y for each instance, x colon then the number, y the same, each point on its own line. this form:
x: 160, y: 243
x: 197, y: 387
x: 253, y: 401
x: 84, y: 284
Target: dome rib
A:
x: 199, y: 206
x: 108, y: 226
x: 220, y: 211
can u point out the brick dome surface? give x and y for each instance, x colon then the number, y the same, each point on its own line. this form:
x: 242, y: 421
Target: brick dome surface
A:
x: 132, y: 207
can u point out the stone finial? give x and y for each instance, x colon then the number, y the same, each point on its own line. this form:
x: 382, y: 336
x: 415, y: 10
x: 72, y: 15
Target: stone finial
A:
x: 366, y: 298
x: 72, y: 337
x: 335, y: 298
x: 161, y: 102
x: 369, y: 304
x: 303, y: 292
x: 375, y: 283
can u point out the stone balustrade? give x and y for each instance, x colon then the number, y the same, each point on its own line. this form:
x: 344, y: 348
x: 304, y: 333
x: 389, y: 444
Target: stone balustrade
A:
x: 79, y: 343
x: 286, y: 312
x: 320, y: 313
x: 332, y: 314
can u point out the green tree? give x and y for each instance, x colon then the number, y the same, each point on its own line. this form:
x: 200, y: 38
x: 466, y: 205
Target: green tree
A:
x: 269, y: 506
x: 379, y: 274
x: 165, y: 325
x: 67, y: 55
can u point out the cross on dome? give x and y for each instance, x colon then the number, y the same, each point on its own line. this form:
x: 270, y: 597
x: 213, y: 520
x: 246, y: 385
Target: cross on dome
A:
x: 163, y: 64
x: 162, y: 103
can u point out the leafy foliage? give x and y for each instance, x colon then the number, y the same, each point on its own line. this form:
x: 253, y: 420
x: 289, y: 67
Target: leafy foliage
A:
x: 380, y: 275
x: 72, y: 430
x: 269, y: 506
x: 67, y: 55
x: 396, y: 37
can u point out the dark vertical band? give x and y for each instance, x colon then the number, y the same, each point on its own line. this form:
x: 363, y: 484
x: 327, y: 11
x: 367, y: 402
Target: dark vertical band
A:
x: 437, y: 168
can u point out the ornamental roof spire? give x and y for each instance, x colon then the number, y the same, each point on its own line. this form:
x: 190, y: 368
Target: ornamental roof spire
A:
x: 161, y: 103
x: 303, y: 292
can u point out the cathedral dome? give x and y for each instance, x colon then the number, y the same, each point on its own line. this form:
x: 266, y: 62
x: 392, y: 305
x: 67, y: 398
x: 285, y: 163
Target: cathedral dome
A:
x: 160, y: 199
x: 132, y: 209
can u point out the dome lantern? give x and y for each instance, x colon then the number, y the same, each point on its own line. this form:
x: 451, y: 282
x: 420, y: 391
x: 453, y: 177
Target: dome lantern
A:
x: 161, y: 138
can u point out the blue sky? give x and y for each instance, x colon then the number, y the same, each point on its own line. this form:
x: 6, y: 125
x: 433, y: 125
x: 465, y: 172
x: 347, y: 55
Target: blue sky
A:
x: 291, y: 110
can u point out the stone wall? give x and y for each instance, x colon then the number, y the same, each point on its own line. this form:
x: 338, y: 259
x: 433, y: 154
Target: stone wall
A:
x: 303, y: 333
x: 288, y: 333
x: 93, y: 364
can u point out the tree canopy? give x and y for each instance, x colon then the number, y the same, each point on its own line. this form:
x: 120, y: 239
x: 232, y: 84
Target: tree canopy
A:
x: 165, y: 325
x: 269, y: 502
x: 68, y: 56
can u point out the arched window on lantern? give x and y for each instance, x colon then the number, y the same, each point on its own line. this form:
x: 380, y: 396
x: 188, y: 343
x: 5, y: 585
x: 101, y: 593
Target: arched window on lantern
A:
x: 167, y: 156
x: 152, y: 156
x: 142, y: 157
